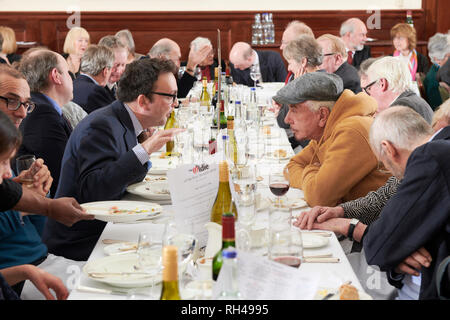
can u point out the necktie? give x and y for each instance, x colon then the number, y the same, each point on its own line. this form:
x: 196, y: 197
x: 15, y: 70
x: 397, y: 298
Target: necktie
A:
x: 350, y: 57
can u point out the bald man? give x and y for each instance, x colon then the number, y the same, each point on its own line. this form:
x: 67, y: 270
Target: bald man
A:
x: 354, y: 35
x: 166, y: 48
x: 270, y: 64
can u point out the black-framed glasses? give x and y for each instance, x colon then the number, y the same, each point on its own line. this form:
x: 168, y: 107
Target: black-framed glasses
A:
x: 329, y: 54
x: 366, y: 88
x: 14, y: 104
x: 173, y: 96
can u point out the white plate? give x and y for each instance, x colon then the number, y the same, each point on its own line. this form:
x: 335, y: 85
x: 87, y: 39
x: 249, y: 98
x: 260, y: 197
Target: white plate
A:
x: 139, y: 210
x: 120, y: 248
x: 322, y: 292
x: 271, y: 156
x: 151, y: 178
x: 311, y: 241
x: 150, y: 190
x: 161, y: 166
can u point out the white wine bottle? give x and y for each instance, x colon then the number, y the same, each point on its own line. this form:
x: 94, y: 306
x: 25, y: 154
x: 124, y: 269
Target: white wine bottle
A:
x: 205, y: 99
x: 170, y: 289
x: 170, y: 123
x: 224, y: 202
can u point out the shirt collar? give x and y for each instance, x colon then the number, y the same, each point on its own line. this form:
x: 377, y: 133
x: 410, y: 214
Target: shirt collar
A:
x: 86, y: 75
x: 136, y: 124
x: 54, y: 104
x: 434, y: 135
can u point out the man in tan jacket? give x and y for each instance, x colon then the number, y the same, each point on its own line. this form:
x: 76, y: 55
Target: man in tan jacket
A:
x: 338, y: 164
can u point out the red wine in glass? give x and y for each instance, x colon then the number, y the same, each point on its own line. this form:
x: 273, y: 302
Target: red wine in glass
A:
x: 289, y: 261
x: 279, y: 189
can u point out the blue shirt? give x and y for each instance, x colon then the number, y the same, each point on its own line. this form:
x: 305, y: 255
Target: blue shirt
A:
x: 54, y: 104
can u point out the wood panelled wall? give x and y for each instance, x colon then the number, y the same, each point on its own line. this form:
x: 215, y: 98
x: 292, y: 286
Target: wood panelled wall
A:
x: 50, y: 28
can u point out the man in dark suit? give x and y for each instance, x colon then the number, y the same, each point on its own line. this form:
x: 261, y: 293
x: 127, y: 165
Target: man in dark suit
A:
x: 335, y: 61
x: 243, y: 57
x: 418, y: 215
x: 103, y: 155
x: 168, y: 49
x: 89, y: 87
x: 354, y: 35
x: 45, y: 131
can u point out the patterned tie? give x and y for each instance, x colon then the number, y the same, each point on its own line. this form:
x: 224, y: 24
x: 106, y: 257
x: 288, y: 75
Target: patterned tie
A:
x: 350, y: 57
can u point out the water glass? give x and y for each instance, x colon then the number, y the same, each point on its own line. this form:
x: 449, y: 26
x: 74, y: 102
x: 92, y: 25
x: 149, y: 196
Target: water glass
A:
x: 25, y: 162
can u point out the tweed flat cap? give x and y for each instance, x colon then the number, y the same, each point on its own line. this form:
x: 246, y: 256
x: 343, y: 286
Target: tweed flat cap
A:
x: 315, y: 86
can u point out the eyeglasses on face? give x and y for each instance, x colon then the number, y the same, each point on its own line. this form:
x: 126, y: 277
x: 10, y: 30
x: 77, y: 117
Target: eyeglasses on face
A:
x: 173, y: 96
x: 14, y: 104
x: 366, y: 88
x: 329, y: 54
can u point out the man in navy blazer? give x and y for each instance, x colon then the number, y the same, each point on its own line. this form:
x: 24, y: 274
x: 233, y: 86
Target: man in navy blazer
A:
x: 418, y: 215
x: 103, y: 155
x: 45, y: 131
x: 353, y: 33
x: 270, y: 63
x: 89, y: 90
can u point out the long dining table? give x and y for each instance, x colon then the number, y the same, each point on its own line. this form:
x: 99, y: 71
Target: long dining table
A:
x: 330, y: 275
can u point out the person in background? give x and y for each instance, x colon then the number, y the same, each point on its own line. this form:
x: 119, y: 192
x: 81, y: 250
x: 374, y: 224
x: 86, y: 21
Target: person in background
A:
x: 120, y: 62
x: 126, y: 38
x: 441, y: 117
x: 443, y: 75
x: 269, y: 63
x: 170, y: 50
x: 337, y: 122
x: 390, y: 84
x: 439, y: 52
x: 362, y: 72
x: 76, y: 42
x: 206, y: 67
x: 404, y: 40
x: 9, y: 47
x: 353, y: 33
x: 89, y: 87
x: 335, y: 61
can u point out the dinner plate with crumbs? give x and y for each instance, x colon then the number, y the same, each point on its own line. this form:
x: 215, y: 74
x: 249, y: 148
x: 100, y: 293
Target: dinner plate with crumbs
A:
x: 157, y: 190
x: 335, y: 295
x: 122, y: 211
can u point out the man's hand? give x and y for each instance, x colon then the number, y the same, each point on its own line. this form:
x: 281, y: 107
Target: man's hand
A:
x: 275, y: 107
x: 319, y: 214
x: 159, y: 139
x: 195, y: 57
x: 67, y: 211
x: 413, y: 263
x: 41, y: 176
x: 44, y: 281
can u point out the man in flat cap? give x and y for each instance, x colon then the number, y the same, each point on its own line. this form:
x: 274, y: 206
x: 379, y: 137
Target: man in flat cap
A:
x: 338, y: 164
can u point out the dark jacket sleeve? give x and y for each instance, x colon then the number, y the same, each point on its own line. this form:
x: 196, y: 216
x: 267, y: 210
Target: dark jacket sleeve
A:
x: 422, y: 63
x: 185, y: 84
x: 10, y: 192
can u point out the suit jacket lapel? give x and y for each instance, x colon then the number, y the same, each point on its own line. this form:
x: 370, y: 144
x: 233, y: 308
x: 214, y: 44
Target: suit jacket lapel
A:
x: 124, y: 118
x: 263, y: 65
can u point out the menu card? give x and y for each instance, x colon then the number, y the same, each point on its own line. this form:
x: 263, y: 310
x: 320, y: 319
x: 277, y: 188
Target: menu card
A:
x: 193, y: 189
x: 262, y: 279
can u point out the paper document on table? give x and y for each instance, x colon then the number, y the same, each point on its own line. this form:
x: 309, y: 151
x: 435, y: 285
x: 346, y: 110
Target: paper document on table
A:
x: 263, y: 279
x: 193, y: 189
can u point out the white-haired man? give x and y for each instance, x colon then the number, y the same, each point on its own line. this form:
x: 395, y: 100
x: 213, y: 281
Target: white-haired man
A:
x: 353, y: 33
x: 389, y: 84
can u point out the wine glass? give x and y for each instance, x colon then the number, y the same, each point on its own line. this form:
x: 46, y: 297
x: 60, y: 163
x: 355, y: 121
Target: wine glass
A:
x: 279, y: 182
x: 255, y: 73
x: 25, y: 162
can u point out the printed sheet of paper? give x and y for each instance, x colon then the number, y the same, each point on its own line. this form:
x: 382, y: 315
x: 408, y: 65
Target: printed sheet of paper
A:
x: 193, y: 189
x: 262, y: 279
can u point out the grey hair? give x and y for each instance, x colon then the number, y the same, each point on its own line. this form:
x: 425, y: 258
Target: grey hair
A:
x: 199, y: 42
x: 126, y: 35
x: 439, y: 46
x: 161, y: 50
x: 111, y: 42
x: 304, y: 47
x: 37, y: 68
x: 348, y: 26
x: 314, y: 106
x: 95, y: 59
x: 394, y: 70
x: 442, y: 113
x: 364, y: 66
x: 401, y: 126
x: 300, y: 28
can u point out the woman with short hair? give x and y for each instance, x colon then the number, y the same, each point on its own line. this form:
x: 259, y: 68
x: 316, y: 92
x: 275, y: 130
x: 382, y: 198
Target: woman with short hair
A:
x: 76, y: 42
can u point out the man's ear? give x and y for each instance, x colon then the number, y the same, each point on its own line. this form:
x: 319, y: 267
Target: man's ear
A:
x: 54, y: 76
x: 389, y: 149
x: 142, y: 101
x: 324, y: 114
x: 384, y: 84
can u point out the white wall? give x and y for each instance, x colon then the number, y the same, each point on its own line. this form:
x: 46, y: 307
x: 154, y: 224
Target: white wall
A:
x: 204, y: 5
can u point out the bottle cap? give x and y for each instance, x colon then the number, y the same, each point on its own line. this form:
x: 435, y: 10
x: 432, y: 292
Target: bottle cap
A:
x: 237, y: 102
x: 228, y: 226
x: 229, y: 253
x: 224, y: 137
x: 252, y: 88
x: 170, y: 263
x: 223, y: 171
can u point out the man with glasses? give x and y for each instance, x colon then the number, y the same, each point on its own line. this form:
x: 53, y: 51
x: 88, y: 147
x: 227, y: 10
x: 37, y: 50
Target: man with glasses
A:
x: 335, y: 61
x: 103, y: 155
x: 46, y: 131
x: 389, y: 84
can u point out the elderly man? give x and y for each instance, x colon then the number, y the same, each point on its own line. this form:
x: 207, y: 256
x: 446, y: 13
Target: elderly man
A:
x: 89, y: 87
x: 353, y: 33
x: 269, y: 63
x: 168, y: 49
x: 46, y: 131
x: 103, y: 155
x: 335, y: 61
x: 126, y: 38
x: 389, y: 84
x: 338, y: 164
x: 120, y: 62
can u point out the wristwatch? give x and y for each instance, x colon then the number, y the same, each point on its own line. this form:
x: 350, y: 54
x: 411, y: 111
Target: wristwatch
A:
x: 351, y: 228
